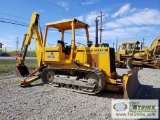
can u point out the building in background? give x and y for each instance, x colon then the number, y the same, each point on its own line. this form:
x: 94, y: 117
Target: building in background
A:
x: 1, y: 48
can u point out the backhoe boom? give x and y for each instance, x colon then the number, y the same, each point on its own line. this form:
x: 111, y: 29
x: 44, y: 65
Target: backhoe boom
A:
x: 31, y: 32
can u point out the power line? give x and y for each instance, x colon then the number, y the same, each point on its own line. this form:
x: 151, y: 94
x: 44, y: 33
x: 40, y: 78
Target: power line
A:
x: 16, y: 23
x: 12, y: 20
x: 53, y: 8
x: 43, y: 6
x: 13, y: 23
x: 13, y: 16
x: 74, y: 11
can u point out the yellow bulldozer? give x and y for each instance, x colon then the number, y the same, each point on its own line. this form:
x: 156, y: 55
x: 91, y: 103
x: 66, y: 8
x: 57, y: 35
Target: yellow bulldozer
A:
x: 126, y: 50
x: 82, y: 68
x: 138, y: 57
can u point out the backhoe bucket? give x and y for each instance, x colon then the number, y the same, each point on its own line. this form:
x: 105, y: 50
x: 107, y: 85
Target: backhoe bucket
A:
x: 131, y: 84
x: 21, y: 71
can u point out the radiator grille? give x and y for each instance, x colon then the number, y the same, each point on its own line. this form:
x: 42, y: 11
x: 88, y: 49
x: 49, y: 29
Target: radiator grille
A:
x: 112, y: 60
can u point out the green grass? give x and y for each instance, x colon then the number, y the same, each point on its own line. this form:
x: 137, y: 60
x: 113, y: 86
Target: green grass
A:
x: 8, y: 65
x: 29, y: 53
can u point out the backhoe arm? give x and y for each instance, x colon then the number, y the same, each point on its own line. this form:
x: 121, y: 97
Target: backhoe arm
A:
x: 32, y: 31
x: 154, y: 44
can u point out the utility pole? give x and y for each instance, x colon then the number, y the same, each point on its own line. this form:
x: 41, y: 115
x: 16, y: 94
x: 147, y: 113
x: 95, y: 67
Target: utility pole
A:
x: 116, y: 42
x: 17, y: 42
x: 102, y: 15
x: 143, y: 43
x: 143, y: 40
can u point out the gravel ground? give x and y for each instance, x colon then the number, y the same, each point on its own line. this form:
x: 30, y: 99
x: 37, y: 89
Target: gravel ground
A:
x: 45, y: 102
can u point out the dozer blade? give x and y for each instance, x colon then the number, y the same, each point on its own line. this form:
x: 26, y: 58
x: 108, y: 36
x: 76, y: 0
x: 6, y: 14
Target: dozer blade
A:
x: 21, y: 71
x: 131, y: 84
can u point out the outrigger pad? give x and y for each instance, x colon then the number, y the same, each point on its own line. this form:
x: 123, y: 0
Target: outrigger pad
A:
x: 21, y: 71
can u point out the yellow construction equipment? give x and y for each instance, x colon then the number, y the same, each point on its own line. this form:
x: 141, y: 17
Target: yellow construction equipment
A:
x: 82, y: 68
x: 146, y: 57
x: 126, y: 50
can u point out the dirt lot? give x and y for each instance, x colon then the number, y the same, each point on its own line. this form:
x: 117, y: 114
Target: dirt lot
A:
x: 45, y: 102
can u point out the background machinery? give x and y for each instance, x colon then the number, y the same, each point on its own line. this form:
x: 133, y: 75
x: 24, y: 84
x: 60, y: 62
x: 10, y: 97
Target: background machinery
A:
x: 151, y: 56
x: 146, y: 57
x: 79, y: 67
x: 126, y: 50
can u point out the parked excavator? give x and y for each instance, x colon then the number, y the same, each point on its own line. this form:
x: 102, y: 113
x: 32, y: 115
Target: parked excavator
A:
x: 146, y: 57
x: 80, y: 67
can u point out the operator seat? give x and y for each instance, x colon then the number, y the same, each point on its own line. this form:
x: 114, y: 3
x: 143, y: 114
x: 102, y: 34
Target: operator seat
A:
x: 65, y: 49
x: 89, y: 43
x: 61, y: 42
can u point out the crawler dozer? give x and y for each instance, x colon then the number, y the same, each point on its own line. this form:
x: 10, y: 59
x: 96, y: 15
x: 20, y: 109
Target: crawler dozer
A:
x: 146, y: 57
x: 126, y: 50
x: 82, y: 68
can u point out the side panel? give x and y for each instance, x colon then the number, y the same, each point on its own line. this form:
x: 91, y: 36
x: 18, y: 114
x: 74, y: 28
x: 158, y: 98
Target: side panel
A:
x: 102, y: 58
x: 92, y: 59
x: 104, y: 61
x: 52, y: 54
x: 98, y: 57
x: 81, y: 54
x: 123, y: 52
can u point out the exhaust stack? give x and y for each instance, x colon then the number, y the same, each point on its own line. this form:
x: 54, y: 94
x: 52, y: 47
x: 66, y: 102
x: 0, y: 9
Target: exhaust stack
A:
x: 96, y: 38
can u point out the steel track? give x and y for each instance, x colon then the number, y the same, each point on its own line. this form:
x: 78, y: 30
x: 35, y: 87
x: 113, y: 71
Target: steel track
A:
x: 63, y: 78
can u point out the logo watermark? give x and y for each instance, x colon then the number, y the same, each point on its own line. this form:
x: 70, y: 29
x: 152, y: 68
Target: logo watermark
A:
x: 122, y: 108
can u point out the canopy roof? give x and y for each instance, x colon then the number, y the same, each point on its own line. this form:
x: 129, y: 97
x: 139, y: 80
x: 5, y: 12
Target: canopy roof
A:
x: 66, y: 24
